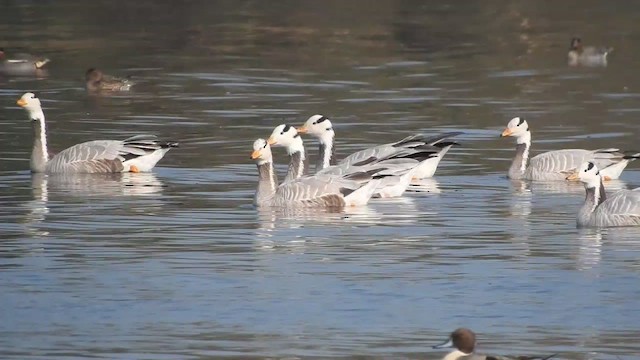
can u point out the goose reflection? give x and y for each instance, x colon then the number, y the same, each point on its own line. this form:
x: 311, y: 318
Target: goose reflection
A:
x: 427, y: 185
x: 83, y: 186
x: 520, y: 187
x: 589, y: 249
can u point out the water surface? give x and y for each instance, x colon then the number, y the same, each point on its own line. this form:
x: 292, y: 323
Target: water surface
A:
x: 177, y: 264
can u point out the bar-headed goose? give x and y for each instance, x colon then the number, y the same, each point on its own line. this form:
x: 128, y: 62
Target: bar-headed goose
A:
x: 307, y: 191
x: 620, y: 209
x: 558, y: 164
x: 321, y: 128
x: 463, y: 342
x: 136, y: 154
x: 397, y: 168
x: 96, y: 81
x: 587, y: 55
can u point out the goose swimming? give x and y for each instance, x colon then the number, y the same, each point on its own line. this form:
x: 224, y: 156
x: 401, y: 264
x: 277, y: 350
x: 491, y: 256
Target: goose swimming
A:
x: 398, y: 168
x: 558, y: 164
x: 463, y: 342
x: 622, y: 208
x: 138, y: 153
x: 321, y: 128
x: 307, y: 191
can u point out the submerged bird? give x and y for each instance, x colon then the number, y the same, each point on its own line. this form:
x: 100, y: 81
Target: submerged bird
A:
x: 398, y: 168
x: 587, y: 55
x: 320, y: 127
x: 136, y: 154
x: 307, y: 191
x: 96, y: 80
x: 463, y: 341
x: 21, y: 63
x: 558, y: 164
x: 620, y: 209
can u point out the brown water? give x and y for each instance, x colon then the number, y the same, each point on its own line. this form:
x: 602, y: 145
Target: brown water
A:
x: 177, y: 264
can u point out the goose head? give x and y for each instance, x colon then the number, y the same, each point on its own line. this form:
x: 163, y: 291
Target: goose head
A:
x: 518, y: 128
x: 30, y: 102
x: 588, y: 174
x: 261, y: 152
x: 286, y: 136
x: 318, y: 126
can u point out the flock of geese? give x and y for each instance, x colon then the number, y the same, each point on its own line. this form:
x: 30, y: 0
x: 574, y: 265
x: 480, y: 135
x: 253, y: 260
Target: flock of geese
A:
x: 382, y: 171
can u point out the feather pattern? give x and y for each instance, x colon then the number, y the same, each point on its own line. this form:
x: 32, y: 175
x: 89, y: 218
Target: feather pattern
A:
x: 137, y: 153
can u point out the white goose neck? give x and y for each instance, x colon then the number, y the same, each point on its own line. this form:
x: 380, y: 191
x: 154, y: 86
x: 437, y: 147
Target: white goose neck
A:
x: 524, y: 138
x: 296, y: 146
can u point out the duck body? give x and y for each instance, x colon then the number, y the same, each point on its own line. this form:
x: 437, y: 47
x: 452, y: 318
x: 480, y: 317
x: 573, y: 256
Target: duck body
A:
x: 21, y: 64
x: 463, y: 342
x: 587, y: 55
x: 97, y: 81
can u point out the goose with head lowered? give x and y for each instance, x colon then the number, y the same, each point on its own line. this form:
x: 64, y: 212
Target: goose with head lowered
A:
x: 622, y: 208
x: 320, y: 127
x: 397, y: 167
x: 138, y: 153
x: 558, y: 164
x: 307, y: 191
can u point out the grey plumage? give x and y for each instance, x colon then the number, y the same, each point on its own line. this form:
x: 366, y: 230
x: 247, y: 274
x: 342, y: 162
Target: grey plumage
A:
x: 308, y: 191
x: 138, y: 153
x: 621, y: 208
x: 558, y: 164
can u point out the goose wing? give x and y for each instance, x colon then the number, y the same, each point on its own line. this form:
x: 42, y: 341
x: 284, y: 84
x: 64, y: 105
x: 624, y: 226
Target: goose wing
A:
x: 416, y: 141
x: 567, y: 160
x: 102, y: 156
x: 621, y: 208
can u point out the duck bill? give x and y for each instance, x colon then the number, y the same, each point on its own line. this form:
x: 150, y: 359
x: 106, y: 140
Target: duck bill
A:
x: 272, y: 141
x: 506, y: 132
x: 302, y: 130
x: 21, y: 102
x: 445, y: 345
x: 573, y: 177
x: 255, y: 154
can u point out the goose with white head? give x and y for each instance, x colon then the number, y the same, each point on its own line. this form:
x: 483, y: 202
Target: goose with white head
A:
x: 307, y: 191
x: 558, y: 164
x: 396, y: 169
x: 320, y: 127
x: 622, y: 208
x: 463, y: 342
x: 139, y: 153
x: 286, y: 136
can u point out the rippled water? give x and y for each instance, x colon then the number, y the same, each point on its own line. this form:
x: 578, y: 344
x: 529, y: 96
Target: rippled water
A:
x: 178, y: 264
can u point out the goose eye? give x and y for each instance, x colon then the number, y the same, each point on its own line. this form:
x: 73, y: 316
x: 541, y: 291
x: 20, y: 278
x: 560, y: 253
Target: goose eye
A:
x: 282, y: 133
x: 315, y: 123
